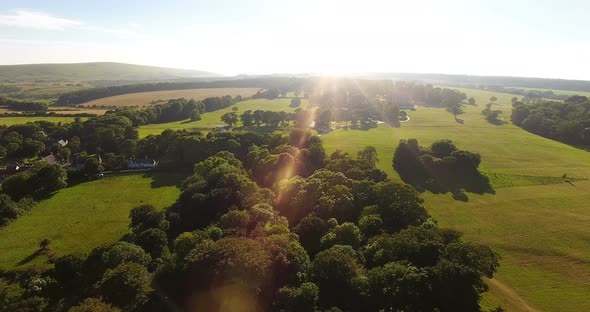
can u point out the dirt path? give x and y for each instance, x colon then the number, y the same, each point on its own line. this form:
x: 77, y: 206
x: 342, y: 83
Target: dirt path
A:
x: 512, y: 296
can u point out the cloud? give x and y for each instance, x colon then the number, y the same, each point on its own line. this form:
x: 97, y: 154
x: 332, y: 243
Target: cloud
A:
x: 36, y: 20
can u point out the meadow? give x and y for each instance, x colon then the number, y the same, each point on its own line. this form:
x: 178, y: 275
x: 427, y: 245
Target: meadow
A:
x: 79, y: 218
x: 539, y: 229
x: 213, y: 119
x: 145, y: 98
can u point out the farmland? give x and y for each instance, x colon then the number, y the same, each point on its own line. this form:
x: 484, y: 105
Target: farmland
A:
x: 79, y: 218
x: 9, y: 121
x: 145, y: 98
x: 538, y: 229
x: 212, y: 119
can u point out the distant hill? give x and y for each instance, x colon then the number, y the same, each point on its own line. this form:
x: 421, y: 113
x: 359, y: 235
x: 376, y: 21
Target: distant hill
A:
x: 469, y: 81
x: 87, y: 72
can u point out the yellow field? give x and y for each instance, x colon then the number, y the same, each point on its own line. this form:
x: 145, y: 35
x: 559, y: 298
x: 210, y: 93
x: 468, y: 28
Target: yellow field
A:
x: 145, y: 98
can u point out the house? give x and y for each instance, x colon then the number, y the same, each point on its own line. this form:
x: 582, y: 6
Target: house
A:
x: 141, y: 163
x: 50, y: 159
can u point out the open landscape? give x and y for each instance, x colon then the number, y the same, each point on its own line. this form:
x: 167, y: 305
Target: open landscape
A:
x: 392, y: 157
x: 146, y: 98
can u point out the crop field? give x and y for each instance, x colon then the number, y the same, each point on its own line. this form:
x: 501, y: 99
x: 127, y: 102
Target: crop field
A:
x: 536, y: 222
x: 9, y: 121
x: 145, y: 98
x: 81, y: 217
x: 213, y: 119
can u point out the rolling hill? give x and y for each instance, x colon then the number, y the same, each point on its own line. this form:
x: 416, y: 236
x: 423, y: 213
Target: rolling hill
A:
x: 94, y: 72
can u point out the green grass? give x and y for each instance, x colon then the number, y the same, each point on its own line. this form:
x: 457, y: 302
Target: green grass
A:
x: 537, y: 223
x: 213, y: 119
x: 79, y: 218
x: 9, y: 121
x: 566, y: 92
x: 542, y: 234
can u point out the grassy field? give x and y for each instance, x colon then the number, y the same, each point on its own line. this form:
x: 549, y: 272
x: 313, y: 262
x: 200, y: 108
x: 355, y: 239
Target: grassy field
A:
x: 9, y: 121
x: 566, y: 92
x: 212, y: 119
x: 539, y: 229
x: 144, y: 98
x: 81, y: 217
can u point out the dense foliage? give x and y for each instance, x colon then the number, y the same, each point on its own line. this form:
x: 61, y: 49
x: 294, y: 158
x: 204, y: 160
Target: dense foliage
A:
x: 567, y: 121
x: 440, y: 168
x: 274, y: 226
x: 22, y: 105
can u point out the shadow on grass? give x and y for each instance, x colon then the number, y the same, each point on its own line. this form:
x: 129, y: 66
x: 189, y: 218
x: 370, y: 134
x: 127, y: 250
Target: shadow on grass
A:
x: 167, y: 178
x: 31, y: 257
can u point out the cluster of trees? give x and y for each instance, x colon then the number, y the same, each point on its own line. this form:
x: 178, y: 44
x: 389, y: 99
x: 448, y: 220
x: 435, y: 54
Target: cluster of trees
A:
x: 336, y: 236
x: 285, y: 84
x: 175, y: 110
x: 440, y: 168
x: 492, y: 115
x: 539, y: 94
x: 20, y: 190
x: 22, y: 105
x: 567, y: 121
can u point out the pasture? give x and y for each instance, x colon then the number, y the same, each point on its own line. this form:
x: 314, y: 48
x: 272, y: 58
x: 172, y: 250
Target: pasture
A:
x: 145, y: 98
x: 539, y: 229
x: 213, y: 119
x: 81, y: 217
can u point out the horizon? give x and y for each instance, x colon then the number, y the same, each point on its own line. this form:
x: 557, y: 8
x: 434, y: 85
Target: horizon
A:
x: 261, y: 37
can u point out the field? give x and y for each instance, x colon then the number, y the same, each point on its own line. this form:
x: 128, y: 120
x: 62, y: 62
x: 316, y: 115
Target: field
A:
x: 213, y: 119
x: 81, y: 217
x: 9, y: 121
x: 539, y: 230
x: 145, y: 98
x: 566, y: 92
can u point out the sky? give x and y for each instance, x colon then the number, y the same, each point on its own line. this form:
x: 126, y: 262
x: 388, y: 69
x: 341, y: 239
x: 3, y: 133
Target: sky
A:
x: 527, y: 38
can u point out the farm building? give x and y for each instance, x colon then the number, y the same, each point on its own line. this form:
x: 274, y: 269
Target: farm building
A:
x: 141, y: 163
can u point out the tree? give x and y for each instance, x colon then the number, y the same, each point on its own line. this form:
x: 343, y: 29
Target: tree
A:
x: 455, y: 108
x: 93, y: 305
x: 154, y: 242
x: 334, y: 271
x: 303, y: 298
x: 344, y: 234
x: 230, y: 118
x: 146, y: 217
x: 324, y: 118
x: 247, y: 118
x: 369, y: 155
x: 493, y: 99
x: 44, y: 244
x: 471, y: 101
x: 127, y: 286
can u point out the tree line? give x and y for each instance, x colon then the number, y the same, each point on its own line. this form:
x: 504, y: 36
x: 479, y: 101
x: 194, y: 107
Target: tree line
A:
x: 567, y: 121
x: 78, y: 97
x: 22, y: 105
x: 275, y: 223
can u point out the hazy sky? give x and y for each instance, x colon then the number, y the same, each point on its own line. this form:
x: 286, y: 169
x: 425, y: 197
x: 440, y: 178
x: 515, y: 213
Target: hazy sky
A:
x: 537, y: 38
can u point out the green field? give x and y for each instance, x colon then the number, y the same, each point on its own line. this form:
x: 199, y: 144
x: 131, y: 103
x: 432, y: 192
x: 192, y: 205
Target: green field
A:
x: 539, y: 229
x: 79, y: 218
x: 9, y: 121
x: 213, y: 119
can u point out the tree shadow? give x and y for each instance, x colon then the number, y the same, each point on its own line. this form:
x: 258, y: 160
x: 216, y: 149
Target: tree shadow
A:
x: 459, y: 120
x: 167, y: 178
x: 31, y: 257
x: 188, y: 121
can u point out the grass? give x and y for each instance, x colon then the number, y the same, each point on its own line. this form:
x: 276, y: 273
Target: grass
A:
x: 9, y: 121
x: 81, y: 217
x: 213, y: 119
x: 542, y: 234
x: 536, y: 222
x: 145, y: 98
